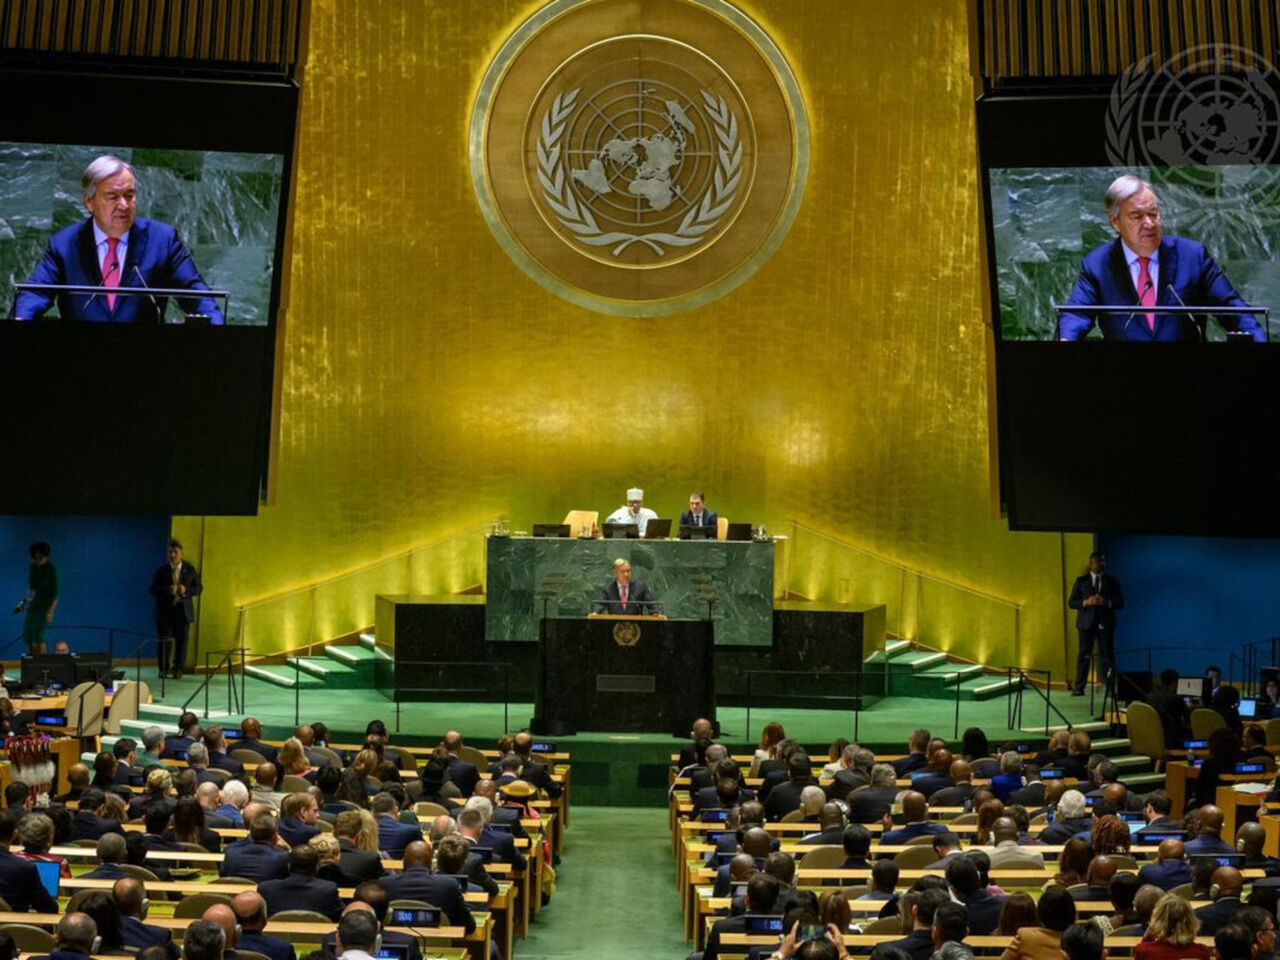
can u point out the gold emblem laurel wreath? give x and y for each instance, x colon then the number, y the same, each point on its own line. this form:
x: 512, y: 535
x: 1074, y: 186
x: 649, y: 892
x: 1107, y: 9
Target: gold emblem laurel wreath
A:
x: 578, y: 218
x: 1122, y: 108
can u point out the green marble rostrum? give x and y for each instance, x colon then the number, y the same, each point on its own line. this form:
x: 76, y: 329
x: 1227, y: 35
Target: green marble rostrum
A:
x: 681, y: 574
x: 1045, y: 220
x: 224, y: 205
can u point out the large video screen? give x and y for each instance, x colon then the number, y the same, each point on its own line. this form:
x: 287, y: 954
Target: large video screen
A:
x: 1134, y: 357
x: 140, y: 264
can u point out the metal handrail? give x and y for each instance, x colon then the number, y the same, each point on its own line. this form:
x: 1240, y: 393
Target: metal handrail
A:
x: 857, y: 697
x: 228, y: 658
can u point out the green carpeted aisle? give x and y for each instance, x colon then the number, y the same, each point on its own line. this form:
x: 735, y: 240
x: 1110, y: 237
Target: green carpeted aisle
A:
x: 616, y: 897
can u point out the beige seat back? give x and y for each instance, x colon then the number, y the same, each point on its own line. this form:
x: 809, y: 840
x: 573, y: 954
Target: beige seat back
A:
x: 124, y: 704
x: 86, y: 709
x: 581, y: 522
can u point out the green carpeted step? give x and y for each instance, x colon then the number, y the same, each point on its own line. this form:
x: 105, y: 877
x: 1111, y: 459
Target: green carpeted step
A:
x: 949, y: 673
x: 1143, y: 782
x: 916, y: 661
x: 282, y: 676
x: 986, y: 687
x: 335, y: 674
x: 1091, y: 727
x: 1132, y: 763
x: 1110, y: 745
x: 353, y: 654
x: 933, y: 680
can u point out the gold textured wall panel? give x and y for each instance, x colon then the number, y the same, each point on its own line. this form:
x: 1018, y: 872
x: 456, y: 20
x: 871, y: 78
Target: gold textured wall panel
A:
x: 429, y: 385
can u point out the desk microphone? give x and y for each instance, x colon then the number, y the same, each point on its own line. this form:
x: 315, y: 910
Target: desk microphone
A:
x: 143, y: 280
x: 1182, y: 303
x: 1141, y: 294
x: 110, y: 270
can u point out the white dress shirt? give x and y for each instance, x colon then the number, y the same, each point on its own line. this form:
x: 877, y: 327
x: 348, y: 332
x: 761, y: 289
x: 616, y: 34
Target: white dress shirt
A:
x: 122, y: 248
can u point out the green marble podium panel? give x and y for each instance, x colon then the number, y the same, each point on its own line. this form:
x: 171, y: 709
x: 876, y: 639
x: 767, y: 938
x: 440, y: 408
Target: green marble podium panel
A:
x: 521, y: 570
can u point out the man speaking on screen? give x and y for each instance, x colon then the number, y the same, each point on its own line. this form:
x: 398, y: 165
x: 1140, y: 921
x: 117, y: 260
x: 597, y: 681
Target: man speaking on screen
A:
x: 1145, y: 268
x: 113, y: 247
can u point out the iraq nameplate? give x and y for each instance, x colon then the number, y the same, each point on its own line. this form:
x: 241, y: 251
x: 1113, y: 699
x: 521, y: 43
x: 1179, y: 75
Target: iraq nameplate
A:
x: 639, y: 157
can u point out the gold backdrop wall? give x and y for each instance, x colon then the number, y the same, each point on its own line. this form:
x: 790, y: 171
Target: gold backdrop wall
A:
x: 429, y: 385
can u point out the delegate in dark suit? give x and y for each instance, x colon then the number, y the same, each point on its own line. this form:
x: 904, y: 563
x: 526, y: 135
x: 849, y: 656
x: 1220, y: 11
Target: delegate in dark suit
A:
x: 174, y: 613
x: 639, y: 602
x: 503, y: 846
x: 155, y: 256
x: 20, y: 885
x: 419, y: 883
x: 393, y: 836
x: 254, y: 861
x: 1166, y: 875
x: 300, y: 892
x: 1095, y: 619
x: 141, y: 935
x: 1185, y: 275
x: 462, y: 775
x: 271, y: 947
x: 360, y: 864
x: 869, y: 805
x: 709, y: 518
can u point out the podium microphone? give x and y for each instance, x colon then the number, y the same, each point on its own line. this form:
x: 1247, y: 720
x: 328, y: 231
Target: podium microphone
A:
x: 1182, y: 303
x: 1125, y: 332
x: 143, y: 280
x: 112, y: 269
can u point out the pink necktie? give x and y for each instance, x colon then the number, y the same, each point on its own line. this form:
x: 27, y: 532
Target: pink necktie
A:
x: 1147, y: 290
x: 111, y: 271
x: 624, y: 598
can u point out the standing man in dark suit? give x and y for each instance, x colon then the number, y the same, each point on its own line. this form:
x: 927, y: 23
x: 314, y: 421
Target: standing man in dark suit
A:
x: 301, y: 889
x: 1095, y: 597
x: 174, y: 585
x: 623, y: 596
x: 698, y: 515
x: 1149, y: 270
x: 113, y: 247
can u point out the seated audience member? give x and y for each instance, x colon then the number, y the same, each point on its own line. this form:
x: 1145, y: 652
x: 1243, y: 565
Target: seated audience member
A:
x: 205, y: 940
x: 152, y: 748
x: 298, y: 815
x: 76, y: 936
x: 125, y: 750
x: 1158, y: 812
x: 918, y: 943
x: 1254, y: 744
x: 104, y: 772
x: 111, y: 851
x: 372, y: 899
x: 506, y: 813
x: 101, y: 907
x: 20, y: 884
x: 988, y: 813
x: 460, y: 773
x: 916, y: 758
x: 36, y: 833
x: 264, y: 785
x: 189, y: 827
x: 937, y: 776
x: 871, y: 804
x: 1144, y: 902
x: 251, y: 739
x: 1227, y: 885
x: 771, y: 735
x: 1018, y: 912
x: 1056, y: 911
x: 136, y: 853
x: 1261, y: 925
x: 1220, y: 758
x: 845, y: 775
x: 355, y: 862
x: 251, y: 914
x: 77, y: 780
x: 394, y: 836
x: 294, y: 761
x: 453, y: 856
x: 785, y: 796
x: 130, y: 895
x: 966, y: 886
x: 18, y: 799
x: 155, y: 819
x: 198, y: 761
x: 831, y: 827
x: 300, y: 889
x: 210, y: 799
x: 473, y: 829
x: 1209, y: 839
x: 755, y: 847
x: 856, y: 841
x: 433, y: 776
x: 1250, y: 839
x: 961, y: 790
x: 235, y: 797
x: 1071, y: 818
x: 1032, y: 793
x: 259, y: 856
x: 915, y: 811
x: 1009, y: 778
x: 1083, y: 941
x: 1123, y: 890
x: 1007, y: 853
x: 1109, y: 835
x: 329, y: 853
x: 1235, y: 941
x: 762, y: 894
x: 701, y: 731
x: 175, y: 748
x: 1097, y: 879
x: 418, y: 882
x: 215, y: 744
x: 947, y: 847
x: 89, y: 822
x: 883, y: 886
x: 1169, y: 869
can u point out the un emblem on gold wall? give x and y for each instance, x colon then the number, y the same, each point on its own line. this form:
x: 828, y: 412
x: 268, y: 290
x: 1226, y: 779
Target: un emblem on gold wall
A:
x: 639, y: 157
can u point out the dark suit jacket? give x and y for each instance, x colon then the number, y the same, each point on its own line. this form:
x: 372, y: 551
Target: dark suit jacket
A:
x: 394, y: 836
x: 1075, y: 765
x: 640, y: 601
x: 785, y: 797
x: 539, y: 776
x: 918, y: 945
x: 208, y: 839
x: 832, y: 836
x: 845, y: 782
x: 20, y: 885
x: 911, y: 831
x: 474, y: 869
x: 419, y: 883
x: 105, y: 871
x: 1103, y: 616
x: 254, y: 861
x: 503, y: 846
x: 954, y: 796
x: 912, y: 761
x: 162, y: 580
x: 1166, y: 875
x: 930, y: 783
x: 1184, y: 265
x: 462, y: 775
x: 143, y: 935
x: 1175, y: 718
x: 295, y: 832
x: 869, y: 805
x: 272, y: 947
x: 85, y: 826
x: 709, y: 518
x: 154, y: 251
x: 173, y: 746
x: 1217, y: 914
x: 1032, y: 795
x: 360, y: 864
x: 984, y: 912
x: 221, y: 761
x: 1060, y: 831
x: 1207, y: 843
x: 264, y: 750
x: 299, y: 892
